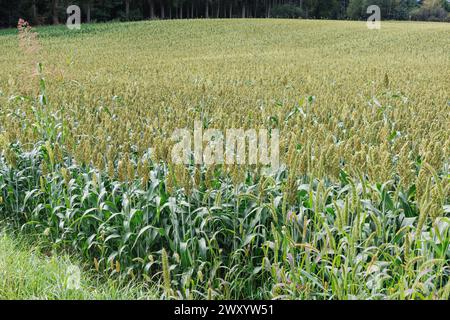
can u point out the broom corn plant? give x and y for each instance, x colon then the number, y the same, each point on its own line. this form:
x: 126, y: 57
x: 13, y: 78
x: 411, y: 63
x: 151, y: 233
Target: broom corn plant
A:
x: 357, y: 209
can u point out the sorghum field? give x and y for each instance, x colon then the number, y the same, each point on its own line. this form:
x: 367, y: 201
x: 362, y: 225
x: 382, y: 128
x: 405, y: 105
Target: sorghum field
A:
x: 359, y: 208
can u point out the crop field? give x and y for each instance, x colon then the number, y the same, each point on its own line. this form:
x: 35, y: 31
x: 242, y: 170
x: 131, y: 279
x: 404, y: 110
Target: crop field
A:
x: 358, y: 208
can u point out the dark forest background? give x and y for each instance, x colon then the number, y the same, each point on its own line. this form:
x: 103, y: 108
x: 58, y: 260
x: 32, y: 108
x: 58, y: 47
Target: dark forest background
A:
x: 54, y: 11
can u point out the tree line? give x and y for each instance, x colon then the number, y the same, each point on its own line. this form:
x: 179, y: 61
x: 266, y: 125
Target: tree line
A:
x: 54, y: 11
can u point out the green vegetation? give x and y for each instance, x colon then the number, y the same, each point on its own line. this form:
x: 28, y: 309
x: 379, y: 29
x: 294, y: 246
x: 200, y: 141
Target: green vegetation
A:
x: 26, y: 273
x: 359, y: 208
x: 340, y: 241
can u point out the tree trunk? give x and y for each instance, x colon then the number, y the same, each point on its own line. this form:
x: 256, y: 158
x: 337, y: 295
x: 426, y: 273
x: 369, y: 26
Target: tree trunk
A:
x: 127, y: 9
x: 88, y: 12
x: 163, y: 13
x: 207, y: 10
x: 34, y: 12
x: 55, y: 12
x: 243, y: 10
x: 151, y: 6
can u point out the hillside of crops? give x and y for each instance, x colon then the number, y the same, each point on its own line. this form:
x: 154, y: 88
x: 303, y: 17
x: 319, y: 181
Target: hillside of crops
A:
x: 358, y: 208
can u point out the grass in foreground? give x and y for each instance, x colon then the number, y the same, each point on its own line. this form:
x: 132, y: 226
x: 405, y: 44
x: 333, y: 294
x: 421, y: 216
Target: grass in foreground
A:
x: 25, y: 273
